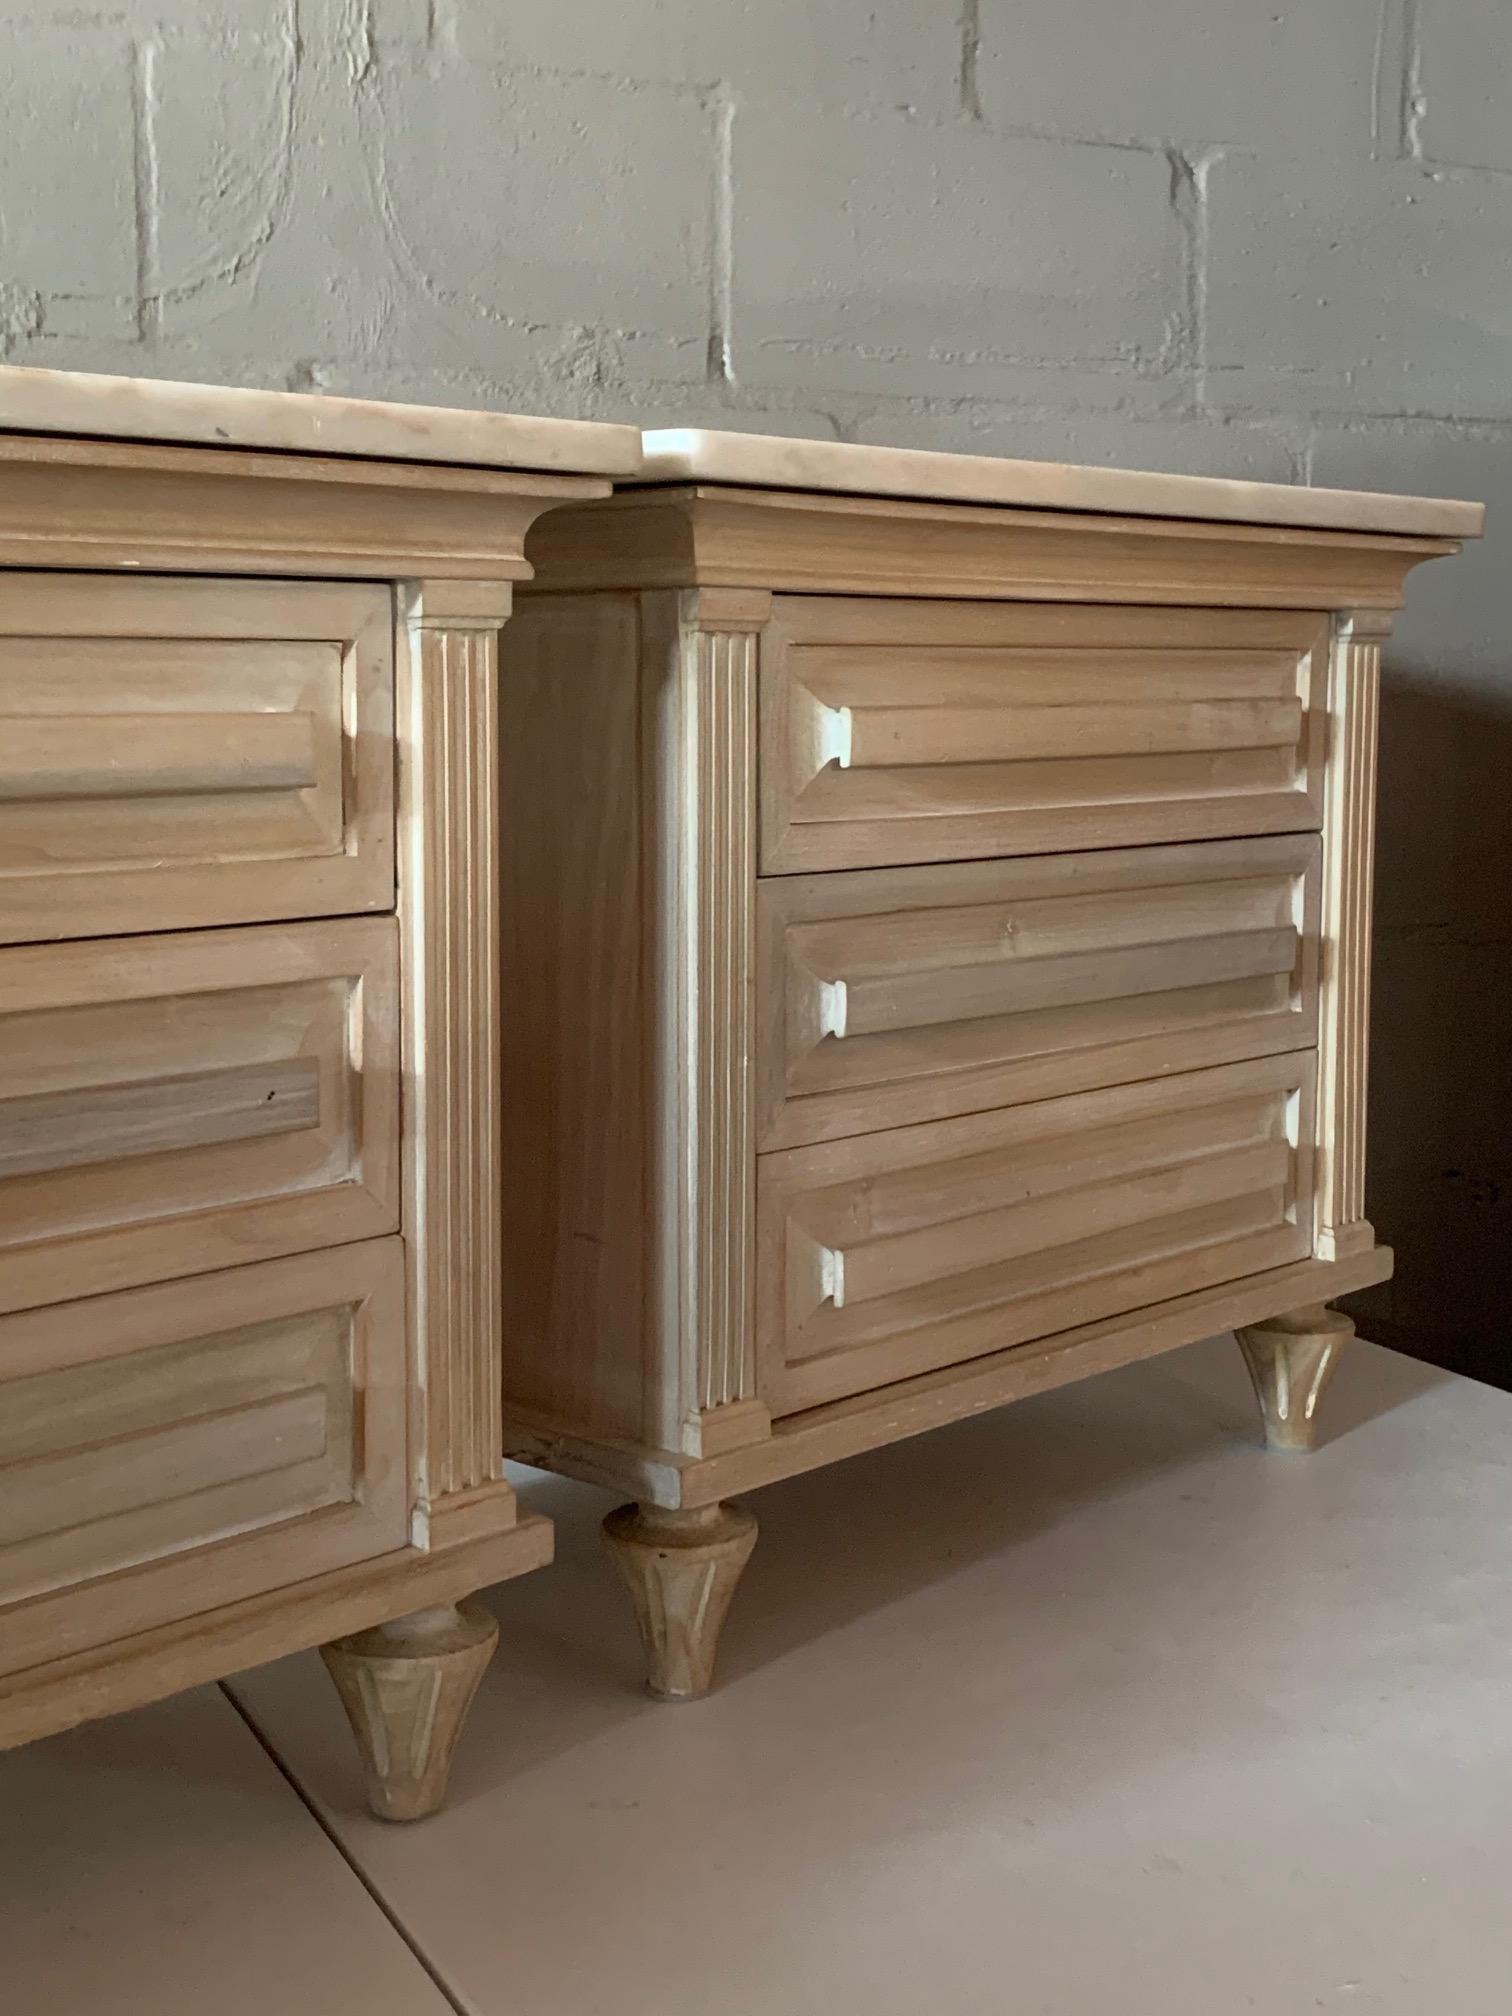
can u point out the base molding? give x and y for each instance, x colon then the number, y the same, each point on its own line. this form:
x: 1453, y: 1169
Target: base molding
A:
x: 827, y: 1434
x: 132, y: 1672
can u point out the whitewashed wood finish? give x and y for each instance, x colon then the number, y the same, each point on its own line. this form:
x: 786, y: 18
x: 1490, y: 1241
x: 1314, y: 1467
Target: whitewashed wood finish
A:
x: 681, y: 1569
x: 226, y: 1633
x: 628, y: 753
x: 235, y: 416
x: 448, y: 715
x: 1031, y: 683
x: 176, y: 1103
x: 181, y: 753
x: 704, y: 750
x: 1348, y: 884
x: 269, y: 702
x: 778, y: 541
x: 49, y: 1131
x: 891, y: 1254
x: 1042, y: 731
x: 889, y: 996
x: 892, y: 1413
x: 1291, y: 1360
x: 577, y: 939
x: 129, y: 505
x: 239, y: 1430
x: 406, y: 1687
x: 857, y: 469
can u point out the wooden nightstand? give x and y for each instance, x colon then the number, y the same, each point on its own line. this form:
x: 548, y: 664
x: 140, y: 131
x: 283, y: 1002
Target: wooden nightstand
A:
x: 938, y: 968
x: 249, y: 1176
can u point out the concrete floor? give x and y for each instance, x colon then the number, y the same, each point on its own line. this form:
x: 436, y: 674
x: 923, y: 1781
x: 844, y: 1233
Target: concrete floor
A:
x: 1087, y: 1706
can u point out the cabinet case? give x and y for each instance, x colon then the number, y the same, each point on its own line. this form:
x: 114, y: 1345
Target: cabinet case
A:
x: 939, y: 969
x: 249, y: 1218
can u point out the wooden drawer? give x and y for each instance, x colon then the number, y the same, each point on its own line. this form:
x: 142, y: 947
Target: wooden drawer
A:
x: 177, y: 1447
x: 173, y: 1104
x: 892, y: 1254
x: 894, y: 732
x: 179, y: 752
x: 895, y: 995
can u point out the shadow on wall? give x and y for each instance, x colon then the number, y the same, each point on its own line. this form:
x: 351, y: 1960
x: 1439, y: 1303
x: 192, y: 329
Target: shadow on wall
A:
x: 1440, y: 1178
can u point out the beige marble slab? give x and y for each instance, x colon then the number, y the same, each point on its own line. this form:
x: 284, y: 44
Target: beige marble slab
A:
x: 222, y: 416
x: 1088, y: 1705
x: 159, y: 1864
x: 764, y: 461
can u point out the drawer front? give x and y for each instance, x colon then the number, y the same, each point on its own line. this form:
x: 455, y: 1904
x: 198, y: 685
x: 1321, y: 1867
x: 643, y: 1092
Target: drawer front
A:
x: 894, y: 1254
x: 177, y: 1447
x: 176, y: 1104
x: 899, y: 732
x: 897, y: 995
x: 179, y: 752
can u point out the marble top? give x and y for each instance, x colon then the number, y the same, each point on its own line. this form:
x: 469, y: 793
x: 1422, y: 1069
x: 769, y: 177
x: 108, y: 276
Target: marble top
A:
x: 765, y: 461
x: 222, y: 416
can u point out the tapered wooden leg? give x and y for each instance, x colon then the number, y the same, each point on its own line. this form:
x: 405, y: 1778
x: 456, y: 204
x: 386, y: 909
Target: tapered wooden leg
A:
x: 406, y: 1688
x: 1291, y: 1360
x: 681, y: 1569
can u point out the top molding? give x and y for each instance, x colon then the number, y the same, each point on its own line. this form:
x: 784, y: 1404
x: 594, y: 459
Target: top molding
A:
x: 704, y: 455
x: 216, y: 416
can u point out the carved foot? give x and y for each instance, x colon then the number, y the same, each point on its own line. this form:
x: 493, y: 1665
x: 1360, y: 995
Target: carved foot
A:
x: 406, y: 1688
x: 681, y: 1569
x: 1291, y: 1360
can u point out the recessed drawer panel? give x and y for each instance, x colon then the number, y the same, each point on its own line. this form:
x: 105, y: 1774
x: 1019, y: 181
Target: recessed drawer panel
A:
x: 179, y: 753
x: 893, y: 1254
x: 174, y: 1104
x: 202, y: 1442
x: 899, y: 732
x: 897, y: 995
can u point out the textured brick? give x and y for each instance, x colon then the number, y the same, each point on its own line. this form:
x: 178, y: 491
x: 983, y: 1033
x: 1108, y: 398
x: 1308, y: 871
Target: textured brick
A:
x: 888, y: 255
x: 556, y: 211
x: 68, y: 226
x: 222, y: 122
x: 1290, y: 78
x: 842, y: 52
x: 1464, y: 60
x: 1382, y: 291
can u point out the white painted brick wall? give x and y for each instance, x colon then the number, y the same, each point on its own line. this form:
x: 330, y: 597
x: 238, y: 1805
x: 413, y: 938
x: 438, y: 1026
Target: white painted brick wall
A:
x: 1267, y: 236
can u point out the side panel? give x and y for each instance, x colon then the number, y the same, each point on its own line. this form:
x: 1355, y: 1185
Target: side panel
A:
x: 574, y: 1013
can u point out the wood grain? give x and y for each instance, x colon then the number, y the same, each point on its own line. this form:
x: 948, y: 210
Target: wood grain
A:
x: 1348, y: 892
x: 406, y: 1686
x: 986, y: 739
x: 154, y: 1116
x: 709, y: 842
x: 706, y: 535
x: 174, y: 1104
x: 230, y: 1433
x: 891, y: 1254
x: 871, y: 1420
x: 223, y: 1636
x: 178, y: 753
x: 1041, y: 794
x: 575, y: 1013
x: 103, y: 504
x: 888, y: 996
x: 449, y: 918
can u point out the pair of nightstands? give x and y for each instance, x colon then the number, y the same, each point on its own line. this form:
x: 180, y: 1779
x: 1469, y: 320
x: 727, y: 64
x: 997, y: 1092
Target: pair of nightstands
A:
x: 869, y: 936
